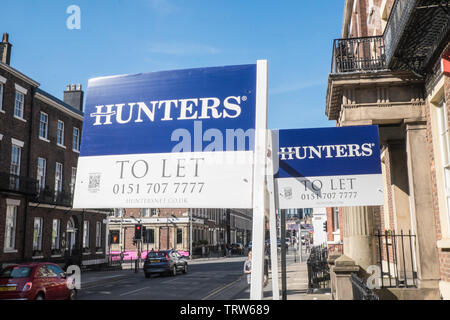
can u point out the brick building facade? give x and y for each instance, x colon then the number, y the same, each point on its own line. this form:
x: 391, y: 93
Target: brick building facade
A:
x: 385, y: 72
x: 39, y: 147
x: 171, y: 229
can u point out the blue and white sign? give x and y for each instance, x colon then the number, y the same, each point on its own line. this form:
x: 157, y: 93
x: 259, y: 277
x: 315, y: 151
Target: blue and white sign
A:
x: 171, y: 139
x: 327, y: 167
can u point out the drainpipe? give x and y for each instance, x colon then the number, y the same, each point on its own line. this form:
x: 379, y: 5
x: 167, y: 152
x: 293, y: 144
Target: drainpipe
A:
x: 30, y: 133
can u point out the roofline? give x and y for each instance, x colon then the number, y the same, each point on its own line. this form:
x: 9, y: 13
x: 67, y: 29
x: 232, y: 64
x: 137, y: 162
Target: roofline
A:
x: 61, y: 105
x: 19, y: 74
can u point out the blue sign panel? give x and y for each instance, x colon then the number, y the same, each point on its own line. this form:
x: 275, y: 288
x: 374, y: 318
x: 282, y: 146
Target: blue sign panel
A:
x: 328, y: 167
x: 144, y: 113
x: 169, y: 139
x: 329, y: 151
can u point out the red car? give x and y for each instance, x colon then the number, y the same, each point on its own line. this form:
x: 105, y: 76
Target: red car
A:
x: 35, y: 281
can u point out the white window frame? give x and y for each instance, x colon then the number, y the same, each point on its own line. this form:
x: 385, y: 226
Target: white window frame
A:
x: 2, y: 85
x: 85, y: 234
x: 37, y: 233
x: 56, y: 234
x: 76, y: 142
x: 58, y: 182
x: 336, y: 217
x: 73, y: 178
x: 145, y: 212
x: 15, y: 167
x: 41, y: 172
x: 10, y: 228
x: 43, y: 127
x: 60, y: 134
x: 118, y: 212
x: 2, y: 90
x: 19, y: 105
x: 98, y: 234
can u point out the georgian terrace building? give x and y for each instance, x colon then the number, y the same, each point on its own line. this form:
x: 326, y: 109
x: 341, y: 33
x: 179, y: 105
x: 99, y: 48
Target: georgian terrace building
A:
x: 387, y: 70
x: 174, y: 229
x: 39, y: 147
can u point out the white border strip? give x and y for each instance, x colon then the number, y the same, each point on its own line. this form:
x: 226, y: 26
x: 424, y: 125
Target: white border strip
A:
x: 259, y: 182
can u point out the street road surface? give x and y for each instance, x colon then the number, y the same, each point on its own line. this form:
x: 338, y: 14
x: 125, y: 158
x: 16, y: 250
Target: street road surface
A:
x: 212, y: 279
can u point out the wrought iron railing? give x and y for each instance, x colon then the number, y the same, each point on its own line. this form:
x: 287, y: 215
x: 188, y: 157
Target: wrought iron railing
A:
x: 400, y: 13
x: 368, y: 54
x: 19, y: 184
x: 396, y: 259
x: 60, y: 198
x: 318, y: 269
x: 360, y: 289
x: 358, y: 55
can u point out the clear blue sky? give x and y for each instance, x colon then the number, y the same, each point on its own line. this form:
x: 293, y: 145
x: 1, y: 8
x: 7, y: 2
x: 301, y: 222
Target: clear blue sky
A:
x: 133, y: 36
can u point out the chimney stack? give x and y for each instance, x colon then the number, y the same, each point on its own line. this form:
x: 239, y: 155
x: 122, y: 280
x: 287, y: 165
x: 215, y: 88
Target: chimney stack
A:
x: 5, y: 49
x: 73, y: 96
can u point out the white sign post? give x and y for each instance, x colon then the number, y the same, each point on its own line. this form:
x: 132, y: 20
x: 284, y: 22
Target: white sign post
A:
x: 272, y: 220
x: 259, y: 182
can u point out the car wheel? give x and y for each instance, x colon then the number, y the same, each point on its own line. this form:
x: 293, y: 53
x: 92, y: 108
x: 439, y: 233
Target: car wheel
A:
x: 185, y: 269
x: 40, y: 296
x: 174, y: 271
x: 147, y: 275
x: 73, y: 294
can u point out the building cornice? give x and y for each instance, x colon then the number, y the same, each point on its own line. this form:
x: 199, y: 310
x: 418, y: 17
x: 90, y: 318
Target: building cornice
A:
x: 57, y: 105
x: 19, y: 74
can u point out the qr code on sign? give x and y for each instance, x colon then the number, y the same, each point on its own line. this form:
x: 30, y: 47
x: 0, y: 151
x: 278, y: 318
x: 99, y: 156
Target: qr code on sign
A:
x: 94, y: 182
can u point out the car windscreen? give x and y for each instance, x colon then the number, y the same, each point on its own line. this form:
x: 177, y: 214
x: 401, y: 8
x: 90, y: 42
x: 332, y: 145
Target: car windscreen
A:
x: 15, y: 272
x: 160, y: 254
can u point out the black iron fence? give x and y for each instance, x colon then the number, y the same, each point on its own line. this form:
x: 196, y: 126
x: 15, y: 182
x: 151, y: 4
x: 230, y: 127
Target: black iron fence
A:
x: 318, y: 269
x: 360, y: 289
x: 13, y: 183
x: 358, y: 54
x: 49, y: 196
x: 396, y: 259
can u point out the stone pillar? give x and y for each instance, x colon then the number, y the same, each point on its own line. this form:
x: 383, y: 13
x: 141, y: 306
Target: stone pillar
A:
x: 341, y: 271
x: 359, y: 242
x: 331, y: 259
x: 421, y: 203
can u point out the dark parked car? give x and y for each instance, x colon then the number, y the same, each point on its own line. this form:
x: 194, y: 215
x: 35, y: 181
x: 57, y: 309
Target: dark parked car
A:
x: 35, y: 281
x: 237, y: 248
x: 164, y: 262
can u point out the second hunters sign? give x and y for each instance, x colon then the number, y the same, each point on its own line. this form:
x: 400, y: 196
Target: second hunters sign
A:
x: 172, y: 139
x: 328, y: 167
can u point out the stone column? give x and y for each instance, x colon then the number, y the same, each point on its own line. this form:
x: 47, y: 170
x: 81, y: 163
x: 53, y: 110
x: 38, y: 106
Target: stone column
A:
x: 421, y: 203
x: 359, y: 242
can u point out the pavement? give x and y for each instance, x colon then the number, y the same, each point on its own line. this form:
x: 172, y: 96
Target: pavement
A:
x: 296, y: 279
